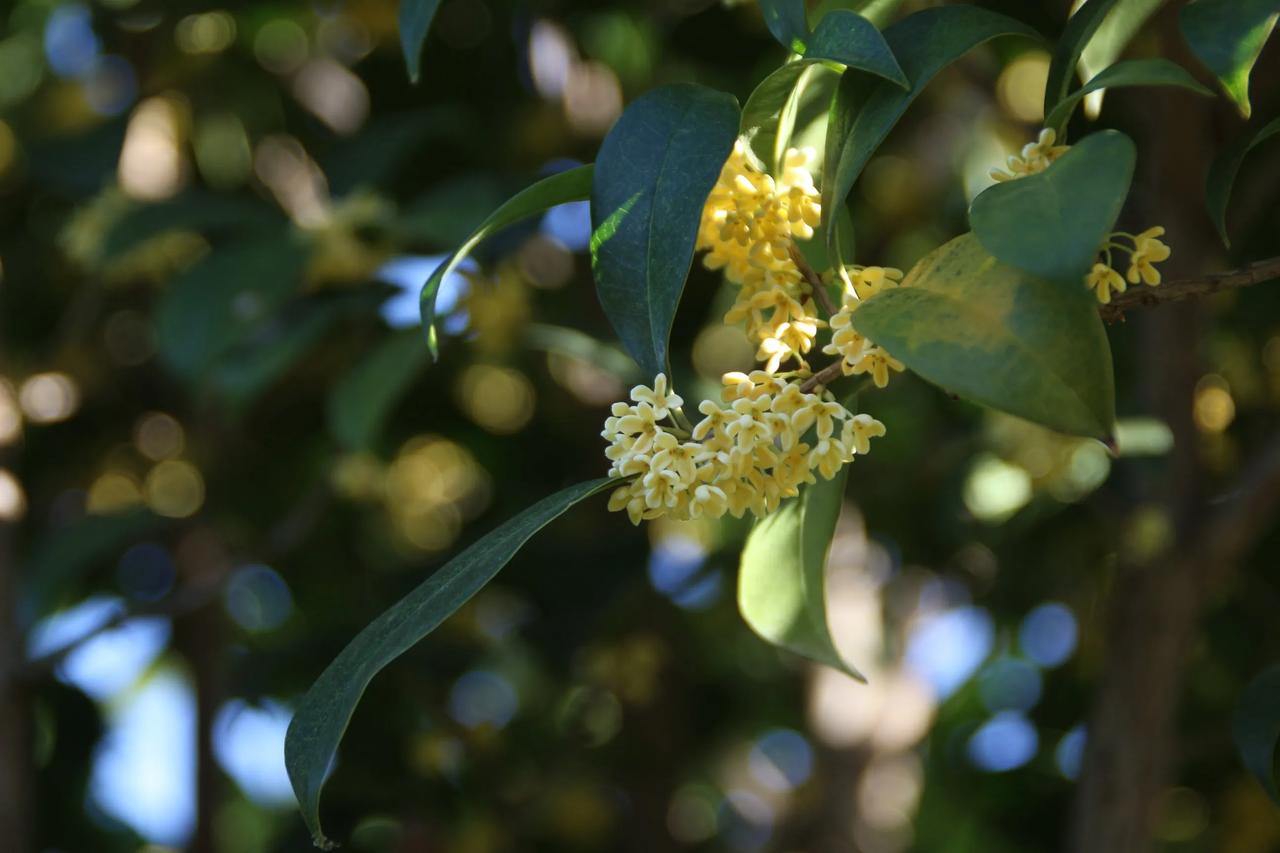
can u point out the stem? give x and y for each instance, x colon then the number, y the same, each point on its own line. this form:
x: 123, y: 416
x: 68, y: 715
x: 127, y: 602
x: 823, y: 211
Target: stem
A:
x: 1191, y: 288
x: 825, y: 376
x: 815, y: 281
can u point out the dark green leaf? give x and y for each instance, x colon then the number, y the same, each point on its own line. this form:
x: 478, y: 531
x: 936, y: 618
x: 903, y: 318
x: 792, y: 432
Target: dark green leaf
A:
x: 1075, y: 37
x: 877, y: 12
x: 326, y: 709
x: 569, y: 185
x: 1134, y: 72
x: 364, y: 398
x: 415, y: 21
x: 999, y: 337
x: 851, y: 40
x: 867, y: 108
x: 1225, y: 169
x: 1054, y: 223
x: 193, y: 210
x: 1228, y: 36
x: 223, y: 298
x: 1110, y: 39
x: 787, y: 22
x: 1257, y: 727
x: 653, y: 174
x: 782, y: 582
x: 445, y: 215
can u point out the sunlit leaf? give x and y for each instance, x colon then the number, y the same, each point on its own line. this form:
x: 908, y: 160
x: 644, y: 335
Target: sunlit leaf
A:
x: 1134, y: 72
x: 569, y: 185
x: 325, y: 711
x: 1257, y: 728
x: 653, y: 174
x: 415, y: 21
x: 787, y: 22
x: 364, y: 398
x: 782, y: 581
x: 866, y: 108
x: 997, y: 336
x: 1228, y: 36
x: 224, y: 297
x: 1066, y: 53
x: 1118, y: 28
x: 1225, y: 169
x: 1053, y: 224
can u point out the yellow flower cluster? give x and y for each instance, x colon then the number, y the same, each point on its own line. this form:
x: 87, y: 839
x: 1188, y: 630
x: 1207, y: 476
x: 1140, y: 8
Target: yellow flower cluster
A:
x: 1147, y: 251
x: 747, y: 457
x: 1035, y: 157
x: 857, y: 354
x: 748, y: 226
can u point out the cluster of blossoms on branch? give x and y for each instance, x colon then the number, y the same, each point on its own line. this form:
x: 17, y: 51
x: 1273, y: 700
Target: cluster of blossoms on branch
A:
x: 780, y: 428
x: 1144, y: 250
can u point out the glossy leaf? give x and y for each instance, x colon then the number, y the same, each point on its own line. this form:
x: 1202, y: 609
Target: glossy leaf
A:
x: 867, y: 108
x: 853, y: 41
x: 782, y: 581
x: 653, y: 174
x: 220, y: 300
x: 569, y: 185
x: 1134, y: 72
x: 1225, y: 169
x: 997, y: 336
x: 1257, y: 728
x: 764, y: 120
x: 787, y: 21
x: 1118, y: 28
x: 364, y: 398
x: 1053, y: 224
x: 1228, y: 36
x: 415, y: 22
x: 877, y: 12
x: 325, y: 711
x: 1066, y: 54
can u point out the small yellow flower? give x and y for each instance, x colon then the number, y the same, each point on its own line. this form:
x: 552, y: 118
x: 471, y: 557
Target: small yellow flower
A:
x: 662, y: 400
x: 1147, y: 251
x: 1035, y: 157
x: 1102, y: 280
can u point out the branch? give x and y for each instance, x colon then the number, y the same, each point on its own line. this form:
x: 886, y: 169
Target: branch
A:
x: 1190, y: 288
x: 825, y: 376
x: 815, y: 282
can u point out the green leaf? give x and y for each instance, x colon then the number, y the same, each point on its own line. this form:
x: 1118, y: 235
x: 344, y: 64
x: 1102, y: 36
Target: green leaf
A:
x: 653, y: 174
x: 415, y: 21
x: 1054, y: 223
x: 787, y: 22
x: 1225, y: 169
x: 866, y: 108
x: 1066, y: 54
x: 223, y: 298
x: 1228, y: 36
x: 1134, y: 72
x: 1118, y: 28
x: 782, y: 581
x: 1257, y: 727
x: 363, y: 399
x: 999, y: 337
x: 877, y: 12
x: 569, y: 185
x: 851, y: 40
x: 325, y: 710
x: 194, y: 210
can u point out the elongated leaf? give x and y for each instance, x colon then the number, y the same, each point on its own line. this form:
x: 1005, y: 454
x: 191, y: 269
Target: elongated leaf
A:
x: 569, y: 185
x: 1228, y: 36
x: 877, y: 12
x: 782, y: 582
x: 218, y: 302
x: 653, y: 174
x: 866, y: 108
x: 1118, y: 28
x: 999, y: 337
x: 1135, y: 72
x: 364, y: 398
x: 787, y: 21
x: 851, y: 40
x: 1225, y: 169
x: 1054, y: 223
x: 1066, y: 54
x: 326, y: 709
x: 415, y: 21
x: 1257, y: 728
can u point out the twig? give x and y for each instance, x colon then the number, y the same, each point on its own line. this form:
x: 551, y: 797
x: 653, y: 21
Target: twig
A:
x: 815, y: 282
x: 825, y: 376
x: 1190, y: 288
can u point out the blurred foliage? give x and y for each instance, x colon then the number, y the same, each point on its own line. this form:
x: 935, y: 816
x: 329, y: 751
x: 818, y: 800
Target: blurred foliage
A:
x: 215, y: 410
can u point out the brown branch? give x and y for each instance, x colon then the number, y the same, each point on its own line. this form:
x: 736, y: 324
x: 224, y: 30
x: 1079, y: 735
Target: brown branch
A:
x: 1190, y: 288
x: 825, y: 376
x: 815, y: 282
